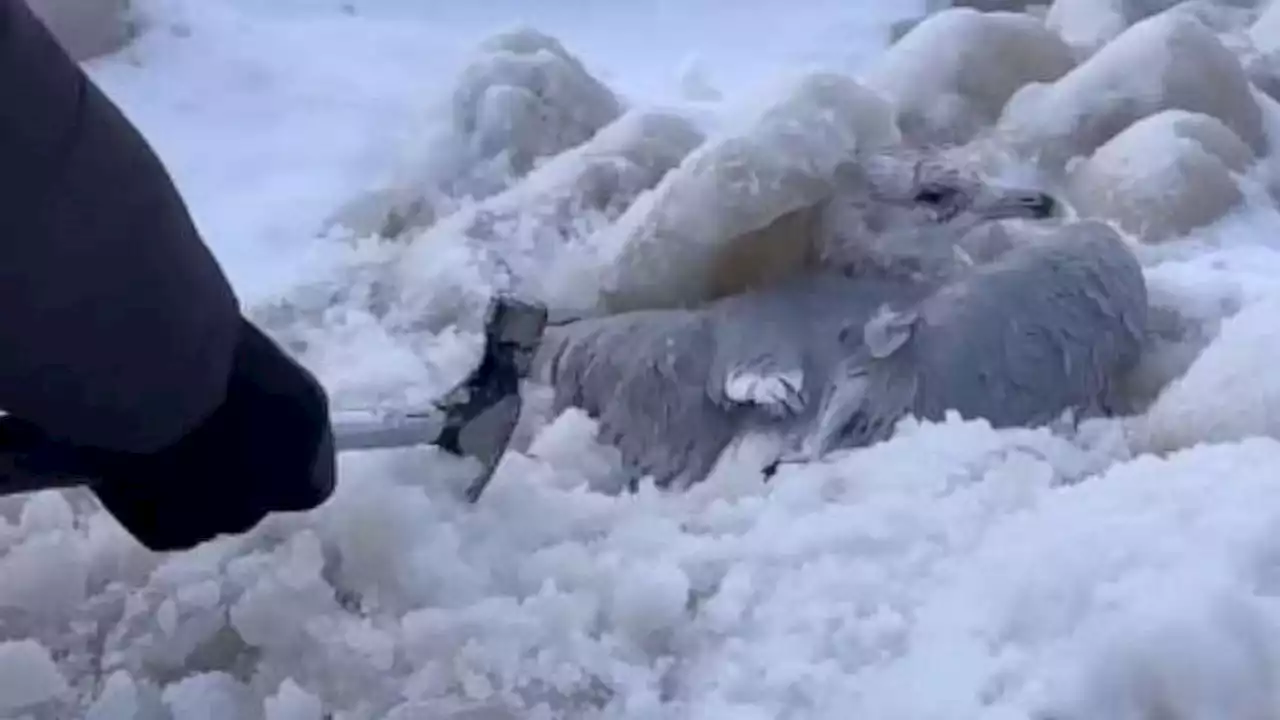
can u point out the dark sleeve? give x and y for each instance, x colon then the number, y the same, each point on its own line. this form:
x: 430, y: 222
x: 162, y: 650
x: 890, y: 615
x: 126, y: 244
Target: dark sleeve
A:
x: 117, y: 326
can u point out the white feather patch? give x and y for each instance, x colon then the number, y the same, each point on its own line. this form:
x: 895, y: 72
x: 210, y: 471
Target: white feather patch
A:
x: 777, y: 392
x: 887, y: 331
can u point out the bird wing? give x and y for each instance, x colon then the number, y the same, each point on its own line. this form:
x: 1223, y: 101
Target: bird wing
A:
x: 757, y: 360
x: 642, y: 375
x: 587, y: 360
x: 778, y: 390
x: 872, y: 388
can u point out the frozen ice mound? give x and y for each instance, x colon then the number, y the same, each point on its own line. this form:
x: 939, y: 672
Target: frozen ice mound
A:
x: 950, y: 77
x: 523, y: 99
x: 1164, y: 176
x: 1226, y: 395
x: 29, y: 678
x: 527, y: 98
x: 1088, y: 25
x: 539, y: 238
x: 1258, y: 47
x: 1166, y: 62
x: 779, y: 160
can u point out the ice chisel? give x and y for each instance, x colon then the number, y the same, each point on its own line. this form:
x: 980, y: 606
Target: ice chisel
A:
x: 476, y: 419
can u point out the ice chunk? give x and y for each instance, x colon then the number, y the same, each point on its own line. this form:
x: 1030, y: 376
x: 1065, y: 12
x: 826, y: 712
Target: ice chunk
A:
x: 118, y: 699
x: 1164, y: 176
x: 1088, y: 25
x: 522, y: 100
x: 784, y: 160
x: 45, y: 575
x: 1170, y: 61
x: 28, y: 676
x: 650, y: 601
x: 536, y: 238
x: 1227, y: 394
x: 1265, y: 31
x: 208, y: 696
x: 46, y: 511
x: 526, y: 97
x: 291, y: 702
x: 274, y: 610
x: 950, y: 77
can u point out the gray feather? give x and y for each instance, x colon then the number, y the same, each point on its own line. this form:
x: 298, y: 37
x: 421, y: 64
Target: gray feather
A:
x: 661, y: 383
x: 1049, y: 327
x: 834, y: 360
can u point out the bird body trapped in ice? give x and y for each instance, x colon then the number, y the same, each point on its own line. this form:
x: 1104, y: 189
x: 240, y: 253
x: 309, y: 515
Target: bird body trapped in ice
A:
x: 833, y: 361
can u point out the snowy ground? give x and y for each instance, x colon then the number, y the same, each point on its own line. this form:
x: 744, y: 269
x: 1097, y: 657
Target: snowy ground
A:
x: 954, y: 572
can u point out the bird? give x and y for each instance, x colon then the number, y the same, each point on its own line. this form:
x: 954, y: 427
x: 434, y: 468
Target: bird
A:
x: 833, y: 359
x: 671, y: 388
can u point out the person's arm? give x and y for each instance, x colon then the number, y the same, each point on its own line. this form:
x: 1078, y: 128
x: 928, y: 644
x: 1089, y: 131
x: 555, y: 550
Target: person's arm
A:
x: 120, y: 336
x: 117, y: 326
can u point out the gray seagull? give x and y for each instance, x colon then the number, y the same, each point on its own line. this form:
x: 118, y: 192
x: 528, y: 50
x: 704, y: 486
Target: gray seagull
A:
x: 835, y: 358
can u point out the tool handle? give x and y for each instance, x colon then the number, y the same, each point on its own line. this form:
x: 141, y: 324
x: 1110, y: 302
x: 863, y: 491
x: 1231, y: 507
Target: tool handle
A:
x: 386, y: 430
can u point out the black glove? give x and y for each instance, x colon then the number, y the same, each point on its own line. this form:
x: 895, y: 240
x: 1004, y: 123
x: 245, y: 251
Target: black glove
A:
x: 267, y: 448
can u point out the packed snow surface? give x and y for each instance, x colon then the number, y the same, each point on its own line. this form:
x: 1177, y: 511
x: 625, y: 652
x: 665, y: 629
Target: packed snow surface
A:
x: 1126, y: 570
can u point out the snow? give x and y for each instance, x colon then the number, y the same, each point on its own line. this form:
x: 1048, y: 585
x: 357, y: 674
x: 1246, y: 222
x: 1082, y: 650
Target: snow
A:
x: 1126, y: 569
x: 30, y: 676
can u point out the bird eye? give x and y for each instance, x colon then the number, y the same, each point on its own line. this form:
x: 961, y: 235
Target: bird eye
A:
x: 934, y: 195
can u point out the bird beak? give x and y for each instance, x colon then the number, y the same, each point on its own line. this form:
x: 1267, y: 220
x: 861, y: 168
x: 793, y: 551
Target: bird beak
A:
x: 1009, y: 203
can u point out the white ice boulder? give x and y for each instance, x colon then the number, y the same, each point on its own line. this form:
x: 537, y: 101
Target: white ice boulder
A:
x: 525, y: 97
x: 1164, y: 176
x: 28, y: 677
x: 1088, y: 25
x: 521, y: 100
x: 785, y: 159
x: 1227, y: 395
x: 1261, y: 55
x: 1170, y: 61
x: 951, y: 75
x: 536, y: 239
x: 1265, y: 31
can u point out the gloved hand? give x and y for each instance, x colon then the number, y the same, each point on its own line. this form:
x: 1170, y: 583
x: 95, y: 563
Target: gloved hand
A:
x: 267, y: 448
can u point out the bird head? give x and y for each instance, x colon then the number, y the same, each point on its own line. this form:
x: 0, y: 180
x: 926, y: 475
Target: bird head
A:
x: 907, y: 211
x: 938, y: 187
x: 961, y: 203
